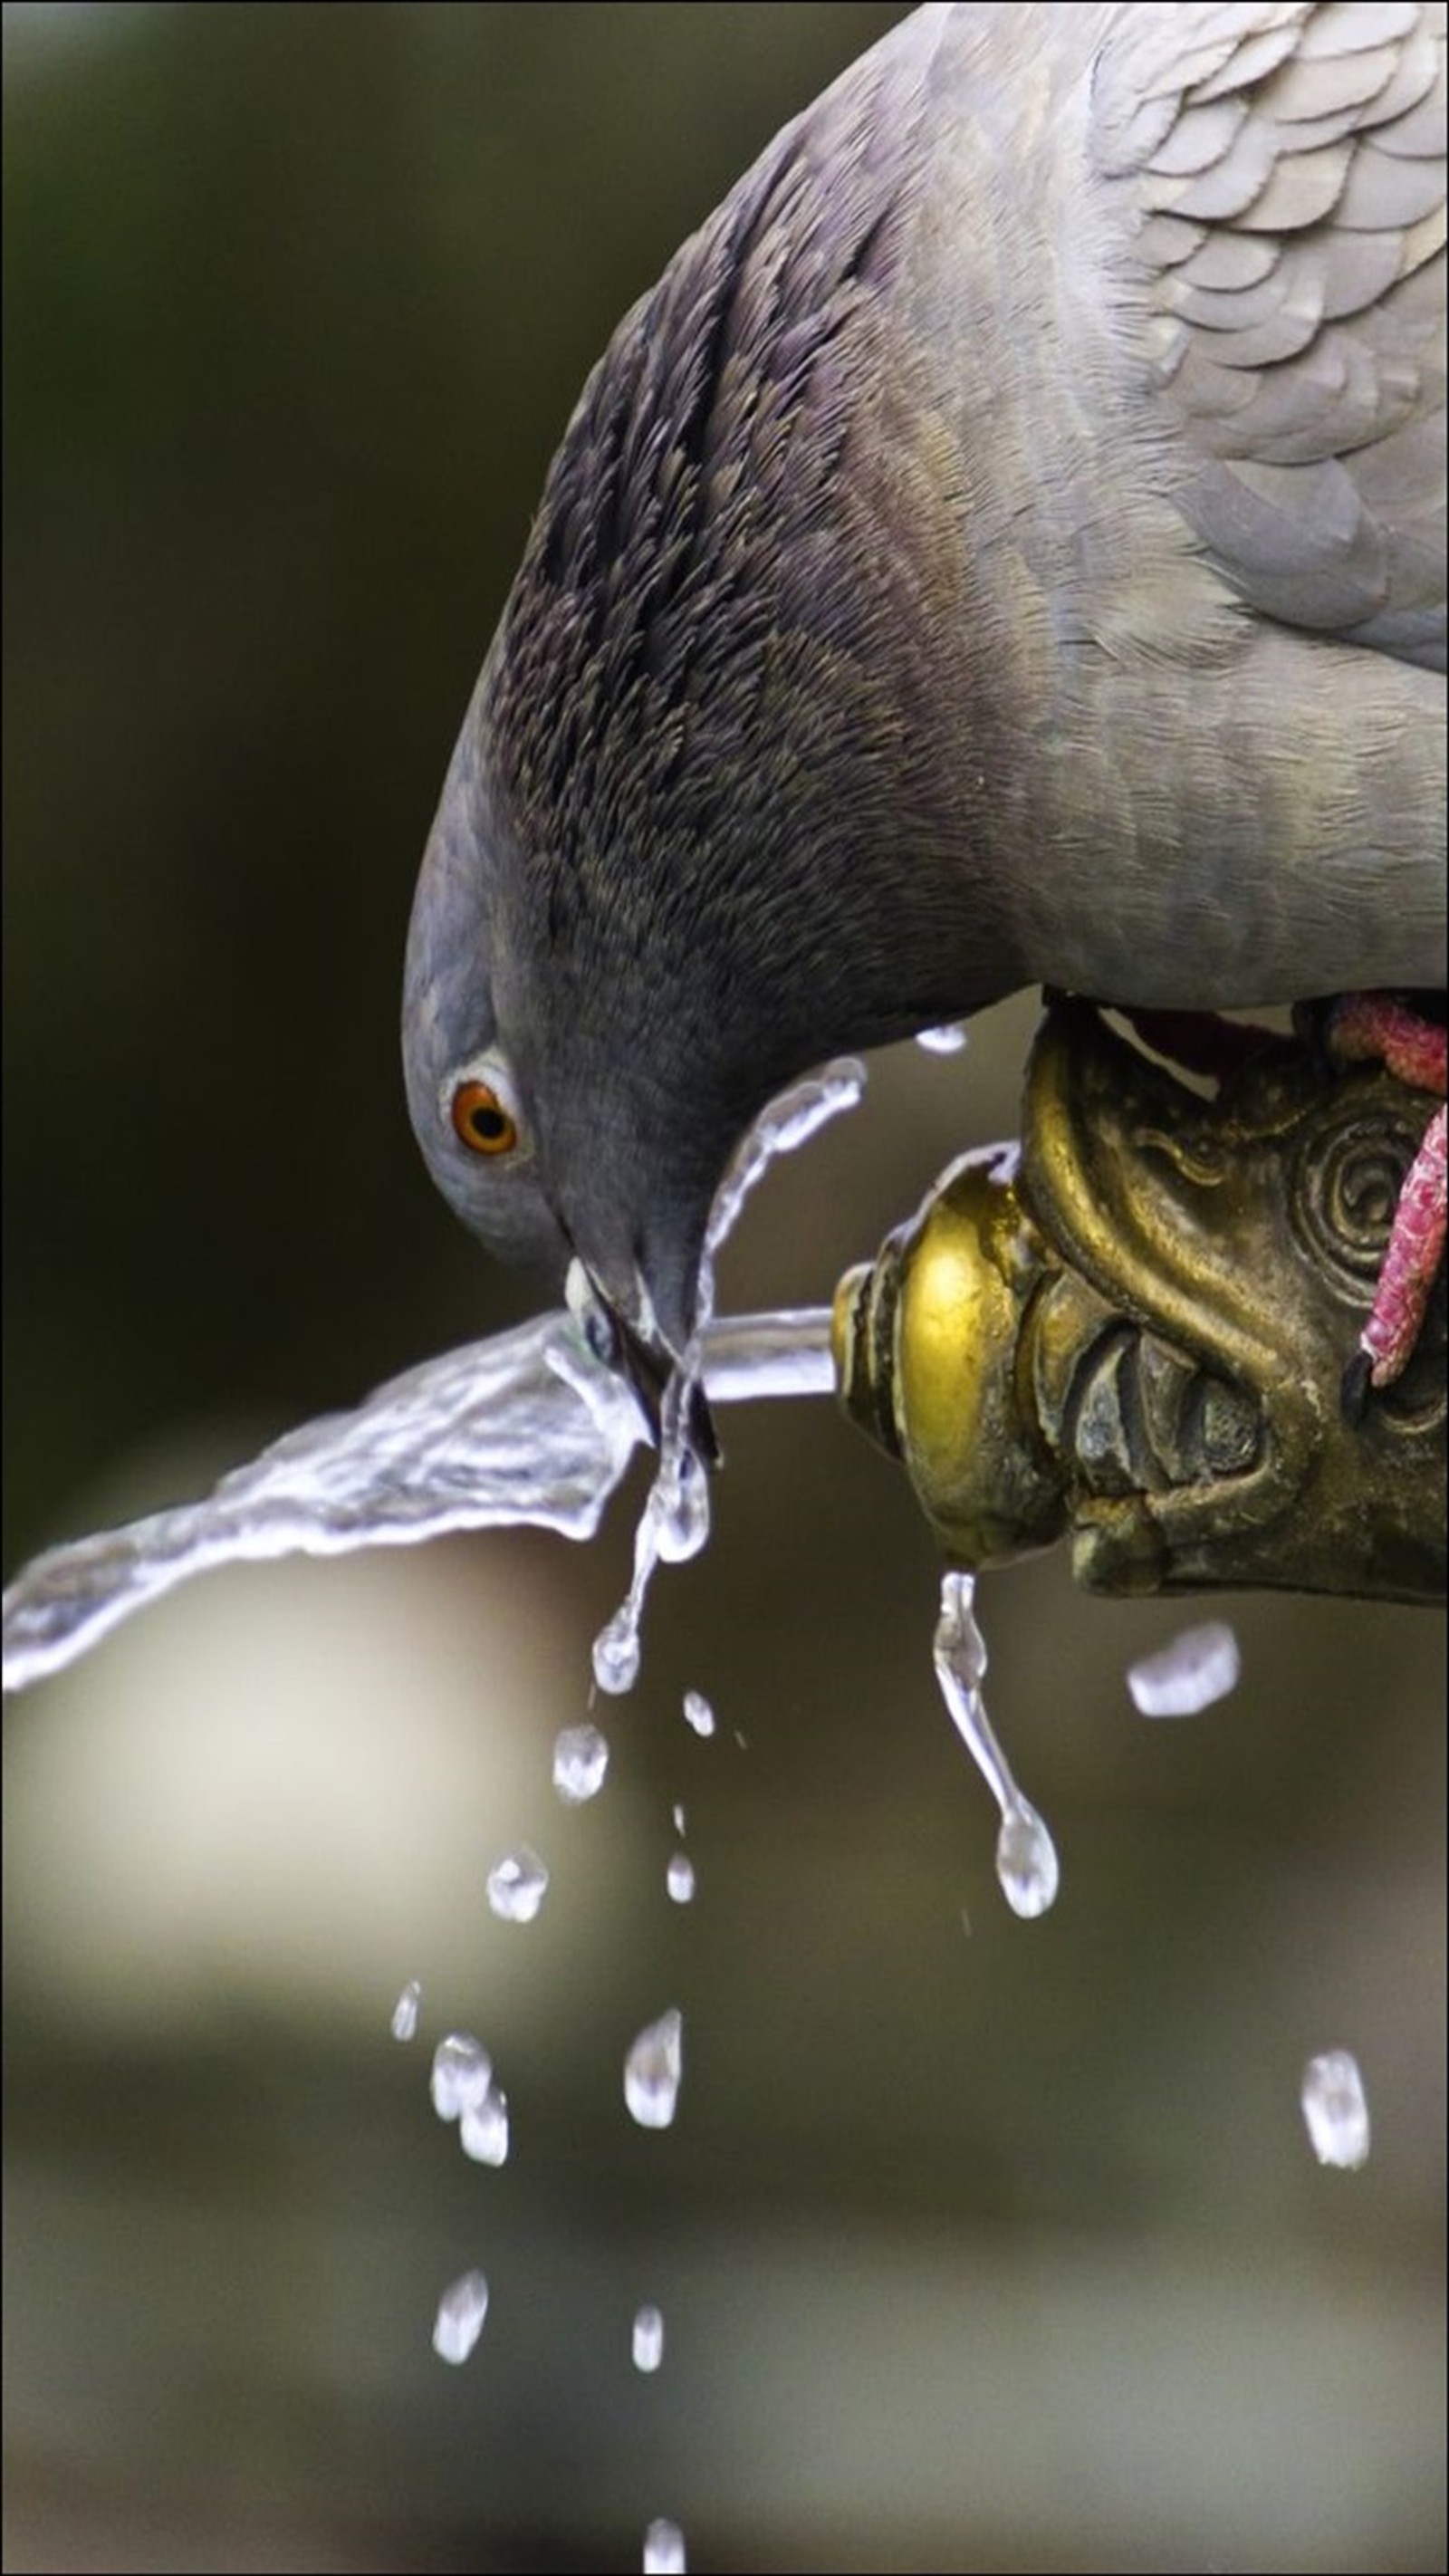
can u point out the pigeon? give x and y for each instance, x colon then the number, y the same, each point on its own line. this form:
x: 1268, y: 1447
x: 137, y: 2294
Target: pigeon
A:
x: 1005, y: 548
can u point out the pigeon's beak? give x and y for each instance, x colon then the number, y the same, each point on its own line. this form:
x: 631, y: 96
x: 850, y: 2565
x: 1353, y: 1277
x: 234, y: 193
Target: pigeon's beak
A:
x: 625, y: 1334
x: 648, y: 1363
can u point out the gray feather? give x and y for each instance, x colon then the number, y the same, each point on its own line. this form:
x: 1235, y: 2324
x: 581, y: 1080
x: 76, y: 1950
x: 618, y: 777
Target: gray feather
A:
x: 1335, y: 349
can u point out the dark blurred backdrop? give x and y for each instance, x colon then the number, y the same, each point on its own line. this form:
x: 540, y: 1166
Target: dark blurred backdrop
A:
x: 980, y: 2244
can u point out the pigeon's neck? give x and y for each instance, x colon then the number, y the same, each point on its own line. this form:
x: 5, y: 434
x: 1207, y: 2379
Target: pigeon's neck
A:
x: 727, y: 692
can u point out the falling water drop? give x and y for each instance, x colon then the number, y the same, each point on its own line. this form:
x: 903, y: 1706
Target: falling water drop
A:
x: 459, y: 2321
x: 405, y: 2011
x: 949, y: 1039
x: 664, y: 2550
x: 462, y: 2072
x: 673, y: 1525
x: 1336, y: 2109
x: 616, y: 1649
x: 652, y: 2072
x: 677, y: 1813
x: 679, y: 1878
x: 580, y: 1760
x: 483, y: 2129
x: 679, y: 1500
x: 648, y: 2339
x: 1199, y: 1666
x: 517, y: 1886
x: 1026, y: 1860
x: 698, y: 1712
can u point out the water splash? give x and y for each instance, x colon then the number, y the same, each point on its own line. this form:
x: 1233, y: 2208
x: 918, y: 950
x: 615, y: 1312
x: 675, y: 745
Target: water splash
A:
x: 580, y: 1761
x: 483, y: 2128
x: 517, y: 1886
x: 948, y: 1039
x: 653, y: 2071
x: 647, y: 2341
x: 783, y: 1126
x: 698, y: 1712
x: 679, y: 1878
x: 1335, y: 2109
x: 1200, y: 1666
x: 664, y: 2550
x: 1026, y: 1860
x: 674, y: 1523
x: 462, y: 2071
x: 673, y: 1526
x: 459, y: 2321
x: 528, y: 1428
x: 406, y: 2010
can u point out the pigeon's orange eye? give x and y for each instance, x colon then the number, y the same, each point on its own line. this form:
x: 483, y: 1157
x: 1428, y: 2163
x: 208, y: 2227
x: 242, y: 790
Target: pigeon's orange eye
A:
x: 480, y: 1120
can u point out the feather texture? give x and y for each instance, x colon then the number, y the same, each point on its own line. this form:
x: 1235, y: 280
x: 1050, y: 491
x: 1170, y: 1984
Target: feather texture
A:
x: 1305, y: 329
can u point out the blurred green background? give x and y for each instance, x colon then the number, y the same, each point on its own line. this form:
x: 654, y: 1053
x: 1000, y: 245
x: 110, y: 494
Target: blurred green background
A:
x: 980, y: 2244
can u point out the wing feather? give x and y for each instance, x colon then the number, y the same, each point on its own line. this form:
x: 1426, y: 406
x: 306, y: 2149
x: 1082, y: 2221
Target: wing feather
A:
x: 1287, y: 162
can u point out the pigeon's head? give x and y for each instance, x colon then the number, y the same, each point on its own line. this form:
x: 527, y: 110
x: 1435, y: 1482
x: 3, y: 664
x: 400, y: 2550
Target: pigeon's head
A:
x: 687, y: 847
x: 566, y: 1103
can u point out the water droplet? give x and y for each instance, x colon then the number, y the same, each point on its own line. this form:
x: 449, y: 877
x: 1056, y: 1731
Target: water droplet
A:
x: 959, y: 1644
x: 616, y: 1650
x: 462, y: 2073
x: 1198, y: 1667
x: 664, y: 2550
x: 405, y: 2011
x: 459, y: 2321
x: 580, y: 1760
x: 1026, y: 1860
x: 483, y: 2130
x: 652, y: 2072
x: 1336, y: 2110
x: 698, y: 1712
x: 648, y: 2344
x: 679, y: 1878
x: 677, y: 1812
x: 949, y: 1039
x: 673, y: 1525
x: 679, y: 1499
x: 518, y: 1886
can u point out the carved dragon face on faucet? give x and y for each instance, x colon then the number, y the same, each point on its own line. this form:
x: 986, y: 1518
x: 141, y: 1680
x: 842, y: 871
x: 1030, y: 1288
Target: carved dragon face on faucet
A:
x: 1133, y: 1331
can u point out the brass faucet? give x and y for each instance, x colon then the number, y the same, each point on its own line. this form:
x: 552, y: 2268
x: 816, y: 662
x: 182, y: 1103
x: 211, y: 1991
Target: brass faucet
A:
x: 1131, y: 1330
